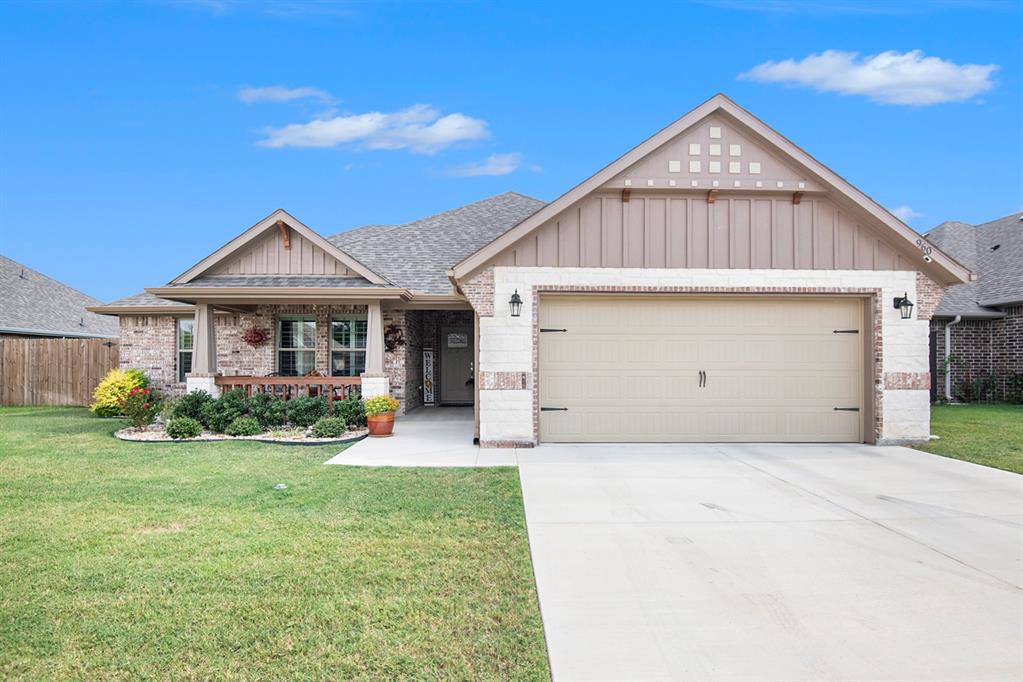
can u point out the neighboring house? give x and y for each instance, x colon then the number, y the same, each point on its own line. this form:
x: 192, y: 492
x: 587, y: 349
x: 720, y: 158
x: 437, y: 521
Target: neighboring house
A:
x: 983, y: 319
x: 715, y: 283
x: 33, y: 305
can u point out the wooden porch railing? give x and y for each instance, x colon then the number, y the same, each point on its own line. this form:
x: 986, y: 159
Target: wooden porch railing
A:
x: 286, y: 388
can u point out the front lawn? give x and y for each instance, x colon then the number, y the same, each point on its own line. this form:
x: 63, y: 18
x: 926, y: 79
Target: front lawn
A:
x: 181, y: 560
x: 991, y: 435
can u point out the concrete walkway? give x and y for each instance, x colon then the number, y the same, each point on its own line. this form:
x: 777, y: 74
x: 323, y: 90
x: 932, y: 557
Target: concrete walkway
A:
x: 774, y: 562
x: 426, y: 437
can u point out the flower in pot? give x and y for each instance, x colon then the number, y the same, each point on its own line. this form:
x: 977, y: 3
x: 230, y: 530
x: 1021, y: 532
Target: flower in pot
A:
x: 380, y: 411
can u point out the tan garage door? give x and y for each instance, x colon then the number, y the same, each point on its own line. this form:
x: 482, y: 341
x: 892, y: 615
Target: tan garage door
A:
x: 632, y: 369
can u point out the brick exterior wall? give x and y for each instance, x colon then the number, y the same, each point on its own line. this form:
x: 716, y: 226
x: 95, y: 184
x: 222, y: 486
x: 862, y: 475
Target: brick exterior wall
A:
x: 928, y: 295
x: 479, y: 289
x: 981, y: 350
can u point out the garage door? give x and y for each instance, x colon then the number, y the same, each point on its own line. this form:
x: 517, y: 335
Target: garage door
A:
x: 649, y: 369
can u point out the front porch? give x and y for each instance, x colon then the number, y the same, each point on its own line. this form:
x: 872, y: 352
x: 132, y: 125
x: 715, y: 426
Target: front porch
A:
x: 437, y: 437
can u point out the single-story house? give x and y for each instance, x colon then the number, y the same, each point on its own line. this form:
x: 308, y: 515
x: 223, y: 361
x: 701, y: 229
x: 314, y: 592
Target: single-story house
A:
x: 34, y: 305
x: 977, y: 329
x: 714, y: 283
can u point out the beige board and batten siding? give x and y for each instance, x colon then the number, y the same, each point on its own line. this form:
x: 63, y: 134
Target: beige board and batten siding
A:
x: 722, y: 369
x: 267, y: 255
x: 663, y: 230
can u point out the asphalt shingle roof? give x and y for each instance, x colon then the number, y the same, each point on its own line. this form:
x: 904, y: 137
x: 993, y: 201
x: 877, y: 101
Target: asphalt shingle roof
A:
x: 31, y: 302
x: 274, y: 281
x: 143, y: 300
x: 994, y: 251
x: 417, y: 255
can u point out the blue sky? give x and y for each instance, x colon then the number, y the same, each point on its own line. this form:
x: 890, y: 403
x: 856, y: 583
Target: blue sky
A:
x: 137, y: 138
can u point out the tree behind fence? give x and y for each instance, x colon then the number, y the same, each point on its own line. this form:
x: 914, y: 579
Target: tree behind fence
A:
x: 53, y: 371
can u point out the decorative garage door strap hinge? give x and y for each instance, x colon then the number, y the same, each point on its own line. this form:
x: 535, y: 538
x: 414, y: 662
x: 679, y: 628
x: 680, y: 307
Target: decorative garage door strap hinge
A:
x: 554, y: 409
x: 544, y: 329
x: 845, y: 331
x: 847, y: 409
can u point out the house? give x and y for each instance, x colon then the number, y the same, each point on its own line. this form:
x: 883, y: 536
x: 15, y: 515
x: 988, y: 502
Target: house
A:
x: 977, y: 329
x: 715, y: 283
x: 34, y: 305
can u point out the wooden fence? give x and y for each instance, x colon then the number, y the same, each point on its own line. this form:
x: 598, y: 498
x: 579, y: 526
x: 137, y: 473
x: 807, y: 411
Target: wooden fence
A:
x: 53, y: 371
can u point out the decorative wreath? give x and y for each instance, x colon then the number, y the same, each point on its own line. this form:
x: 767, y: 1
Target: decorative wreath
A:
x: 255, y: 337
x: 394, y: 336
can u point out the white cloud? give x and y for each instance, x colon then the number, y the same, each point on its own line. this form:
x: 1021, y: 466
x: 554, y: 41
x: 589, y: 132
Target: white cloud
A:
x: 281, y: 93
x: 419, y: 128
x: 889, y: 77
x: 495, y: 164
x: 905, y: 213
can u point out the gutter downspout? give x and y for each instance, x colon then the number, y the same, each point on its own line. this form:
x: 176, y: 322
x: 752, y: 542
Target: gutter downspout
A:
x: 948, y: 354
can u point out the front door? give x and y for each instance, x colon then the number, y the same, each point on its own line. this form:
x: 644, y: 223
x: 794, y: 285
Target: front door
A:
x: 456, y: 370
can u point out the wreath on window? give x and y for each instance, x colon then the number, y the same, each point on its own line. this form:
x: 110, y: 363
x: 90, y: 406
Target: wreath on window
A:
x: 255, y: 337
x: 394, y: 336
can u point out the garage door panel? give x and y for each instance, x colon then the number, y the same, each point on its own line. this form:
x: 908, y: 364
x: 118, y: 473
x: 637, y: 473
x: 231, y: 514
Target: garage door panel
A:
x: 629, y: 369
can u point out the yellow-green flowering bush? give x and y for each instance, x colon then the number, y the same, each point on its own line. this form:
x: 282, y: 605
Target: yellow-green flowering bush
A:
x: 109, y: 396
x: 380, y: 404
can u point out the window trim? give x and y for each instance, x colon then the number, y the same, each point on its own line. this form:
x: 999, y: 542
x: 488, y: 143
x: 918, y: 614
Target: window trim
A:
x: 298, y: 349
x: 334, y: 347
x: 179, y: 351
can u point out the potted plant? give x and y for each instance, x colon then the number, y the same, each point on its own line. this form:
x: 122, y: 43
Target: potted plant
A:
x: 380, y: 411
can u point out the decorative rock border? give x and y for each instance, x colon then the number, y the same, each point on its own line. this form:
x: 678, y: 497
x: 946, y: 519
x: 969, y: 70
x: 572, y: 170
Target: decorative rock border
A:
x: 130, y: 435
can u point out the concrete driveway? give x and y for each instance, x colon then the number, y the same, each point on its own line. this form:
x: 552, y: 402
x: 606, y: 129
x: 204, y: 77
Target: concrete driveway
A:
x: 775, y: 562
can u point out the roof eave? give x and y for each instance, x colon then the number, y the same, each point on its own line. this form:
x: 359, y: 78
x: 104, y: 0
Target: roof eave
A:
x: 278, y: 294
x: 116, y: 310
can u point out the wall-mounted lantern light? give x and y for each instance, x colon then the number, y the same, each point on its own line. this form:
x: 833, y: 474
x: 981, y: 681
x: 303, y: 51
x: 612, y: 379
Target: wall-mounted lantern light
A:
x: 904, y: 306
x: 515, y: 304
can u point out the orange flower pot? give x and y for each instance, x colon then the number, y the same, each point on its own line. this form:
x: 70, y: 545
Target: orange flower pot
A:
x: 381, y: 425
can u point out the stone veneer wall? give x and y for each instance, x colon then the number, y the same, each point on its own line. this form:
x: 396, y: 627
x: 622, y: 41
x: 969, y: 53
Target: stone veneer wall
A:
x: 507, y: 344
x: 981, y: 348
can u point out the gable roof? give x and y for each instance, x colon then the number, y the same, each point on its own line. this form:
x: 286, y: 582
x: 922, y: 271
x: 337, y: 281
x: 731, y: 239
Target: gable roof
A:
x: 994, y: 250
x: 257, y: 230
x: 418, y: 255
x: 37, y: 305
x: 942, y: 266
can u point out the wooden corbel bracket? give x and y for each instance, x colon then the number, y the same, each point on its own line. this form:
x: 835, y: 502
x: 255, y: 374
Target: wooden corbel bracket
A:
x: 712, y: 196
x: 285, y: 234
x: 797, y: 197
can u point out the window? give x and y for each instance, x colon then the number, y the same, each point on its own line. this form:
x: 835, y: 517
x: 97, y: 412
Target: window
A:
x: 296, y: 346
x: 348, y: 346
x: 186, y: 340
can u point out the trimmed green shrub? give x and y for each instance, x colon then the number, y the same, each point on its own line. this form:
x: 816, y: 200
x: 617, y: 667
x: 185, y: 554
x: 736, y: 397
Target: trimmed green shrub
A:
x: 330, y: 427
x: 191, y: 405
x: 111, y: 392
x: 306, y: 411
x: 183, y: 427
x: 218, y: 414
x: 244, y: 426
x: 352, y: 410
x: 141, y: 406
x: 268, y: 410
x: 1013, y: 389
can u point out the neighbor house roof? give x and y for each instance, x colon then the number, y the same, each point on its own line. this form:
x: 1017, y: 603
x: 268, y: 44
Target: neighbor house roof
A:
x: 417, y: 255
x: 33, y: 304
x: 994, y: 251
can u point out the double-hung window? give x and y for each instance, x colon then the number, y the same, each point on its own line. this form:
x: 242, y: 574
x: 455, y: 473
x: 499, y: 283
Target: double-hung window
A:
x: 296, y: 346
x: 186, y: 340
x: 348, y: 345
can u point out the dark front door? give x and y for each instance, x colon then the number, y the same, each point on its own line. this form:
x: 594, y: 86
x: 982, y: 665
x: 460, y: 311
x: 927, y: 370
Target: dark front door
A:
x: 456, y: 371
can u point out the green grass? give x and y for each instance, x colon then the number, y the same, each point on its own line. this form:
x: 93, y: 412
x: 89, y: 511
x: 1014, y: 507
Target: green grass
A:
x: 991, y: 435
x: 131, y: 560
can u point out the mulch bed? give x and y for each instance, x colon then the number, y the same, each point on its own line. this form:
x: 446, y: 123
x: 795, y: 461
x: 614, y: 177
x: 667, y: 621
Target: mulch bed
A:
x: 157, y: 434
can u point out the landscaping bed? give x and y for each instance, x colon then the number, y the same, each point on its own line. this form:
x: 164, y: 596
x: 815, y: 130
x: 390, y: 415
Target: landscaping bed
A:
x: 157, y: 433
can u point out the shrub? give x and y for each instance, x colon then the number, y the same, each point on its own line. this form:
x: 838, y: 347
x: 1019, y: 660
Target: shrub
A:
x: 306, y: 411
x: 268, y: 410
x: 218, y: 414
x: 380, y: 404
x: 352, y: 410
x: 114, y: 389
x: 330, y: 427
x: 184, y: 427
x: 141, y: 406
x: 191, y: 405
x: 244, y: 426
x: 1013, y: 389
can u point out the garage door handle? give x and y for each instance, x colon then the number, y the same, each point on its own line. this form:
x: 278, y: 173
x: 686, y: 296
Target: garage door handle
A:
x: 554, y: 409
x: 846, y: 409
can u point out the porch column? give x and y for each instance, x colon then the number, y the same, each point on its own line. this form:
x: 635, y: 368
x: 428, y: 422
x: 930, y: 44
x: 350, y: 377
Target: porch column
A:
x: 374, y: 381
x: 204, y: 352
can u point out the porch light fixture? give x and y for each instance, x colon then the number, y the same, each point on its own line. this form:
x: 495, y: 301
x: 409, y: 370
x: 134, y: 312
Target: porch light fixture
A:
x: 904, y: 306
x: 515, y: 304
